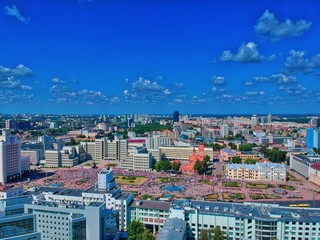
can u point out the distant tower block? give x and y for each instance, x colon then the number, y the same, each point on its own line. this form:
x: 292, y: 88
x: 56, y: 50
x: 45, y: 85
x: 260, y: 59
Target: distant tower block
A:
x: 175, y: 116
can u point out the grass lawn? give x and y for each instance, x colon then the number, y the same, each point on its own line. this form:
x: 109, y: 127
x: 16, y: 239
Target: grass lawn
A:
x: 213, y: 196
x: 206, y: 181
x: 146, y: 197
x: 263, y: 196
x: 228, y: 195
x: 259, y: 185
x: 167, y: 179
x: 290, y: 177
x: 287, y: 187
x: 132, y: 180
x: 232, y: 184
x: 111, y: 165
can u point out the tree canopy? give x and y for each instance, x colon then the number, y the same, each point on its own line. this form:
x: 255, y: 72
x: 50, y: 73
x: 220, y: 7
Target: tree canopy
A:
x: 275, y: 155
x: 236, y: 159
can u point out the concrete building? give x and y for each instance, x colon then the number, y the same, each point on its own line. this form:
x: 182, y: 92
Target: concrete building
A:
x: 69, y: 221
x: 19, y: 227
x: 61, y: 158
x: 258, y: 171
x: 301, y: 164
x: 10, y: 159
x: 314, y: 173
x: 116, y: 150
x: 34, y: 155
x: 247, y: 221
x: 224, y: 130
x: 174, y: 228
x: 157, y: 141
x: 151, y: 213
x: 104, y: 191
x: 181, y: 153
x: 138, y: 162
x: 10, y: 191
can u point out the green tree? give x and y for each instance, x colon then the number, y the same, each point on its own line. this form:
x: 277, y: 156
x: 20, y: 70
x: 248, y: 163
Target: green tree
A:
x: 165, y: 165
x: 236, y: 159
x: 251, y: 161
x: 206, y: 234
x: 154, y: 161
x: 158, y: 166
x: 207, y: 158
x: 135, y: 230
x: 198, y: 166
x: 218, y: 233
x: 147, y: 235
x: 175, y: 166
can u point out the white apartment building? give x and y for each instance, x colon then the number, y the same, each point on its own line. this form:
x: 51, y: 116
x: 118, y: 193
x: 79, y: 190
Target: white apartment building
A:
x: 258, y: 171
x: 10, y: 159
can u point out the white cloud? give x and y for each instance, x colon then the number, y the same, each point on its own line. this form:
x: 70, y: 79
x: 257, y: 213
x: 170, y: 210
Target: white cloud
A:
x: 18, y: 71
x: 218, y: 80
x: 144, y: 90
x: 8, y: 77
x: 297, y: 61
x: 268, y: 26
x: 279, y: 78
x: 247, y: 53
x: 15, y: 12
x: 179, y: 85
x: 249, y: 83
x: 61, y: 92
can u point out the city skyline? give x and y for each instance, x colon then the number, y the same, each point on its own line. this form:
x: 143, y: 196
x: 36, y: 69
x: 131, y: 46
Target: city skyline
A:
x: 124, y: 57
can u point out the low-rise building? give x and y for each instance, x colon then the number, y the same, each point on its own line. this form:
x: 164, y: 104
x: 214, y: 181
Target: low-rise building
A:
x: 174, y: 228
x: 314, y: 175
x: 261, y: 171
x: 138, y: 162
x: 301, y: 164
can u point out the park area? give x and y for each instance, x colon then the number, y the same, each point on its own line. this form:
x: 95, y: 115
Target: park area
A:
x: 131, y: 180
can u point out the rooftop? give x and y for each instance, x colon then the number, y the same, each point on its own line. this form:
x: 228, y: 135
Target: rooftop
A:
x: 261, y: 211
x: 71, y: 192
x: 316, y: 166
x: 173, y: 229
x: 157, y: 205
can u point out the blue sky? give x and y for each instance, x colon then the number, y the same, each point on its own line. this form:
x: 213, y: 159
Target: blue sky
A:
x: 113, y: 56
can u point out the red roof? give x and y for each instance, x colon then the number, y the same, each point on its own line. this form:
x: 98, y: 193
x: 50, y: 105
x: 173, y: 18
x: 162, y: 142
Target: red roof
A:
x: 316, y: 166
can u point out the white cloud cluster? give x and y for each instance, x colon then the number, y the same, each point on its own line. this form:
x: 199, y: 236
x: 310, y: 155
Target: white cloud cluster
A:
x: 218, y: 80
x: 12, y: 98
x: 18, y: 71
x: 268, y: 26
x: 279, y: 78
x: 247, y: 53
x: 15, y: 12
x: 8, y: 77
x: 61, y: 93
x: 144, y: 90
x: 298, y: 62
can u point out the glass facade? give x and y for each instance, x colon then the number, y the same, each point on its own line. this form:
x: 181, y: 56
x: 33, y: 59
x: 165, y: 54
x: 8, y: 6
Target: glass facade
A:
x: 16, y: 227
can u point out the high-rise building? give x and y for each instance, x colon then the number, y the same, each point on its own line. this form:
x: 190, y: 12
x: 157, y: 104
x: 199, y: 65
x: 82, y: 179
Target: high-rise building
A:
x: 269, y: 118
x: 254, y: 120
x: 175, y: 116
x: 314, y: 122
x: 10, y: 161
x: 224, y: 130
x: 313, y: 138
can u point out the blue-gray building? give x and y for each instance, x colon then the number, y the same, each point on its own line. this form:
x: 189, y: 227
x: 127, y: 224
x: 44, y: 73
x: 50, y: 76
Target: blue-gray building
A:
x: 313, y: 138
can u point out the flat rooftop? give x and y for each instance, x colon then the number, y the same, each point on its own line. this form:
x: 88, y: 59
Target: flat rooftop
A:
x: 265, y: 212
x: 157, y: 205
x: 37, y: 191
x: 71, y: 192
